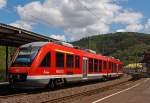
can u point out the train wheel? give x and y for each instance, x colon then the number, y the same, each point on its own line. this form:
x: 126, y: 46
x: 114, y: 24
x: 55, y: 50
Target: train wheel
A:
x: 52, y: 84
x: 11, y: 84
x: 105, y: 78
x: 59, y: 82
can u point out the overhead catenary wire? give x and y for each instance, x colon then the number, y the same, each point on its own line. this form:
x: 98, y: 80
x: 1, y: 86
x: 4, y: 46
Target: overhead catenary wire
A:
x: 88, y: 9
x: 92, y: 13
x: 48, y: 23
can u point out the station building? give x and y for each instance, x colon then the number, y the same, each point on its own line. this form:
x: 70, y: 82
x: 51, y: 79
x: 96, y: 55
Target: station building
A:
x: 11, y: 36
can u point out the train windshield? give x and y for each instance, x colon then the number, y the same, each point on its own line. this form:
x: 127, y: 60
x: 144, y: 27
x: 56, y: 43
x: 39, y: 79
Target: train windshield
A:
x: 25, y: 56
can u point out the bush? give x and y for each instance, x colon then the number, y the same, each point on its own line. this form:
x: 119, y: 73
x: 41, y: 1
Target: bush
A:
x: 136, y: 76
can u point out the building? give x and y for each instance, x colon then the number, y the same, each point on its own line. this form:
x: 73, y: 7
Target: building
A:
x: 11, y: 36
x: 146, y: 60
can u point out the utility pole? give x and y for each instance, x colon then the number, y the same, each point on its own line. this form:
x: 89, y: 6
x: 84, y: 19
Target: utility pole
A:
x: 6, y: 61
x: 103, y: 48
x: 89, y: 42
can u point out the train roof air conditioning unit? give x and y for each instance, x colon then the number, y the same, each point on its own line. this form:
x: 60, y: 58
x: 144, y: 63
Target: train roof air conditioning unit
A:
x: 91, y: 51
x: 64, y: 44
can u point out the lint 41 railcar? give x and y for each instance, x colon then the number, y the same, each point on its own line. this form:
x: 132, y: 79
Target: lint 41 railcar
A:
x: 49, y: 64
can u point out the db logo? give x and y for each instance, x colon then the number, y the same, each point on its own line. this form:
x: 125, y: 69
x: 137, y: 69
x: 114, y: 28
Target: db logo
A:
x: 17, y: 70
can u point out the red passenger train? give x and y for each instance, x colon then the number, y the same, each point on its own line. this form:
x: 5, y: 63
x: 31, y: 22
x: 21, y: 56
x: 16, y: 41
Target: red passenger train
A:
x: 50, y: 63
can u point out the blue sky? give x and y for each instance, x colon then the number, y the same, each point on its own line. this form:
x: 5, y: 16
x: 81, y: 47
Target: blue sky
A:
x: 138, y: 5
x: 74, y: 19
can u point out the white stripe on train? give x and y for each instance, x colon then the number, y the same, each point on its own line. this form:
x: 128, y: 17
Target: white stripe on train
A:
x: 68, y: 76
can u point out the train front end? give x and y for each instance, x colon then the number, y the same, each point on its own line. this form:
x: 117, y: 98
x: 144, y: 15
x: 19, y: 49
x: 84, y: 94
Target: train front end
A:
x: 21, y: 66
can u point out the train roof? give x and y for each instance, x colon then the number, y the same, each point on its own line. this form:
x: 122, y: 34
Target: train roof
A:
x: 34, y: 44
x: 71, y: 50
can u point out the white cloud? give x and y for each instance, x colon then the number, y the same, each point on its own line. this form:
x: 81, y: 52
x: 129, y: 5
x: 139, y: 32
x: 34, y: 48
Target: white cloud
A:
x: 134, y: 27
x: 22, y: 24
x: 132, y: 20
x: 127, y: 17
x: 76, y: 33
x: 131, y: 28
x: 58, y: 37
x: 36, y: 12
x: 3, y: 3
x: 74, y: 17
x: 147, y: 26
x: 120, y: 30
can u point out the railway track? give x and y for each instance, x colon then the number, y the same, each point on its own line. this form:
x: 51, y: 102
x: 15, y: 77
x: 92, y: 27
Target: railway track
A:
x: 86, y: 93
x: 15, y: 93
x: 19, y: 94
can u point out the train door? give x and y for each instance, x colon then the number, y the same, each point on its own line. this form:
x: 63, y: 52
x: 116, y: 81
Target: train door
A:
x: 84, y: 67
x: 117, y: 69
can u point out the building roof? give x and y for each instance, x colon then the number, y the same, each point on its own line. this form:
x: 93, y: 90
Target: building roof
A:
x: 13, y: 36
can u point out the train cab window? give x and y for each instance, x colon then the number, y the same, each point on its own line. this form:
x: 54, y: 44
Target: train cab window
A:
x: 77, y: 62
x: 100, y: 65
x: 69, y: 61
x: 90, y: 65
x: 105, y: 67
x: 25, y: 56
x: 46, y: 61
x: 59, y: 60
x: 95, y: 65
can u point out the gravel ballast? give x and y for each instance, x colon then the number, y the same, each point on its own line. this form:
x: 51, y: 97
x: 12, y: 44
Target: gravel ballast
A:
x: 49, y: 95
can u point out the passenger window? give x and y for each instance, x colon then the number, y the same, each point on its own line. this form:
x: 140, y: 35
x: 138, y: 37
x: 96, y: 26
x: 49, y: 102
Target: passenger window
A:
x: 120, y: 67
x: 59, y: 60
x: 77, y: 62
x: 100, y: 65
x: 90, y: 65
x: 112, y: 67
x: 95, y: 65
x: 105, y: 65
x: 46, y: 61
x: 115, y: 67
x: 69, y: 61
x: 109, y: 66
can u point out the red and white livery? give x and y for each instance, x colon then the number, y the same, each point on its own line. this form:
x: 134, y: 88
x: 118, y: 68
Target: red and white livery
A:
x: 49, y: 63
